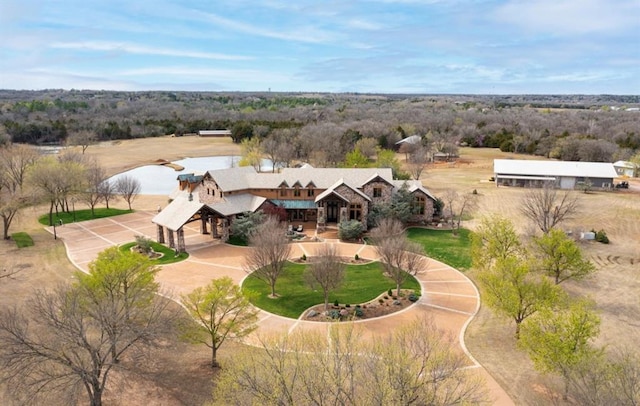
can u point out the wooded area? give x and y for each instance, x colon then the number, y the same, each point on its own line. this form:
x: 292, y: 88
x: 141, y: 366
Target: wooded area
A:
x: 327, y: 126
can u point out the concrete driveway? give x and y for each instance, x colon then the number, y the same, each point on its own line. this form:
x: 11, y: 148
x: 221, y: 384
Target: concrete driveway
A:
x: 448, y: 298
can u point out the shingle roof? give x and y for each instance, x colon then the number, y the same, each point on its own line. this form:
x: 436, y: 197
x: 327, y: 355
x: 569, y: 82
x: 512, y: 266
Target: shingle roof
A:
x: 246, y: 177
x: 178, y: 212
x: 238, y: 204
x: 554, y: 168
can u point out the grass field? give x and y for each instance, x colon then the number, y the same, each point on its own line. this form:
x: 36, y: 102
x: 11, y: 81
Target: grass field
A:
x: 443, y: 245
x: 81, y: 215
x: 362, y: 283
x: 22, y: 239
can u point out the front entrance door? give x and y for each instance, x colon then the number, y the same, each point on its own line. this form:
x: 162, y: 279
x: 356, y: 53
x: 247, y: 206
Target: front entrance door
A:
x: 332, y: 212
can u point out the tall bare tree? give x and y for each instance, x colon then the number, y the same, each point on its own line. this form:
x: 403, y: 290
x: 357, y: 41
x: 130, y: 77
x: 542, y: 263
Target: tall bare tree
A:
x: 128, y: 187
x: 269, y: 252
x: 547, y: 207
x: 325, y: 272
x: 399, y: 256
x: 95, y: 178
x: 83, y: 139
x: 70, y: 339
x: 458, y: 204
x: 417, y: 161
x: 14, y: 162
x: 416, y: 365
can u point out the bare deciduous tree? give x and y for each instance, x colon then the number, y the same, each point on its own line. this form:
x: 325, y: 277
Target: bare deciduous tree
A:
x: 458, y: 205
x: 94, y: 192
x: 325, y: 272
x: 69, y: 340
x: 270, y: 250
x: 14, y: 162
x: 546, y: 207
x: 417, y: 161
x: 129, y: 188
x: 399, y: 256
x: 417, y: 364
x: 83, y: 139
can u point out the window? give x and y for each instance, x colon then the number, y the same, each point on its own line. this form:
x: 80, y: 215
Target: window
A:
x: 419, y: 203
x: 296, y: 192
x: 311, y: 192
x: 283, y: 192
x: 221, y: 194
x: 377, y: 192
x: 355, y: 212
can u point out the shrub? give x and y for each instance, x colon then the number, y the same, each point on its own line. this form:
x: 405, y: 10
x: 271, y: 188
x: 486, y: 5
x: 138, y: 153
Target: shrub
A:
x: 390, y: 292
x: 413, y: 297
x: 350, y: 230
x: 357, y: 257
x: 144, y: 244
x: 475, y: 192
x: 303, y: 257
x: 381, y: 301
x: 334, y: 314
x: 601, y: 236
x: 347, y: 305
x: 336, y: 303
x: 358, y: 312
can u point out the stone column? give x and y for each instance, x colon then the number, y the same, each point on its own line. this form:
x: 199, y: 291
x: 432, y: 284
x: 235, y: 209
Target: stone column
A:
x: 344, y: 215
x: 181, y: 245
x: 160, y: 234
x: 203, y: 224
x: 172, y: 243
x: 214, y: 226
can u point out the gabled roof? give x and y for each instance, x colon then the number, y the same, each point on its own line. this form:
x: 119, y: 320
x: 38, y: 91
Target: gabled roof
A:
x: 378, y: 178
x: 245, y: 177
x: 332, y: 190
x: 177, y: 213
x: 554, y: 168
x: 231, y: 179
x: 414, y: 139
x: 237, y: 204
x: 416, y: 185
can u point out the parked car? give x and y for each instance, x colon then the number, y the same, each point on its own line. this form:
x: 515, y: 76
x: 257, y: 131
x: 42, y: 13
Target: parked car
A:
x: 623, y: 185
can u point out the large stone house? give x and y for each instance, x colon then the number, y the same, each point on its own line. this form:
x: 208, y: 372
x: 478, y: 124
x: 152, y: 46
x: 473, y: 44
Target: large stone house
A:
x: 319, y: 195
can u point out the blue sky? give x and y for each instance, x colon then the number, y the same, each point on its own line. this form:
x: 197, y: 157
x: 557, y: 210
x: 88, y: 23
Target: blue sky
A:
x: 381, y: 46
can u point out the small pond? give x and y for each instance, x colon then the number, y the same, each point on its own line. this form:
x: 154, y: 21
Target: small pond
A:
x: 162, y: 180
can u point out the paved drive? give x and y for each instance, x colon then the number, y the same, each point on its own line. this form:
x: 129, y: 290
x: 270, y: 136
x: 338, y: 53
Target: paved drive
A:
x: 448, y: 297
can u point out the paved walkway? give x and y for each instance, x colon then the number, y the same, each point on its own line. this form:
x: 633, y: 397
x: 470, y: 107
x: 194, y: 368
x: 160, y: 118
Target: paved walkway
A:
x: 449, y: 298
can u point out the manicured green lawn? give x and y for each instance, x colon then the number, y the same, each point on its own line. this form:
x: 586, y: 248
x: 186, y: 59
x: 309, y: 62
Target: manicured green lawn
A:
x: 22, y: 239
x: 81, y: 215
x: 169, y: 256
x: 362, y: 283
x: 444, y: 246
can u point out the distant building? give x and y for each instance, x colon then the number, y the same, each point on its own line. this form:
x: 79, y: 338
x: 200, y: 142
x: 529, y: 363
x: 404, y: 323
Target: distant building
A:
x: 559, y: 174
x: 626, y: 168
x: 214, y: 133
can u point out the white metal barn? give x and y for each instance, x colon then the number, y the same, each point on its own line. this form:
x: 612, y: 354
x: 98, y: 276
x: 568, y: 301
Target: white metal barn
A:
x: 560, y: 174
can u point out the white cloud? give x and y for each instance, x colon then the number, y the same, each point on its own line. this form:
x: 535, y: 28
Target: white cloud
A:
x: 571, y: 16
x: 143, y: 50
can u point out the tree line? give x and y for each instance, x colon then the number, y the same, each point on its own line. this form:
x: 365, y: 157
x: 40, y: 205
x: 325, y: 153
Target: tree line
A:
x: 512, y: 123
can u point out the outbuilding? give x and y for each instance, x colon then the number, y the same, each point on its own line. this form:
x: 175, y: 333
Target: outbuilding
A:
x: 559, y: 174
x: 626, y: 168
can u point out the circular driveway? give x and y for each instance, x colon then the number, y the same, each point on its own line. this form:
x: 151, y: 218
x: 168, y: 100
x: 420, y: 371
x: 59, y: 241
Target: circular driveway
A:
x: 448, y: 298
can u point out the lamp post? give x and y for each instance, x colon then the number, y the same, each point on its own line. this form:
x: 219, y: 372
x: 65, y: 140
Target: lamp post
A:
x: 55, y: 236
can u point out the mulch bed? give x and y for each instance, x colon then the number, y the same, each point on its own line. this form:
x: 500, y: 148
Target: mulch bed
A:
x: 380, y: 306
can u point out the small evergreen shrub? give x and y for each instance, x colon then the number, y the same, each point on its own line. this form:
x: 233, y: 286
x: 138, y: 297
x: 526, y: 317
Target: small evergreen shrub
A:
x: 358, y: 312
x: 336, y: 303
x: 413, y: 297
x: 357, y: 257
x: 303, y: 257
x: 390, y: 292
